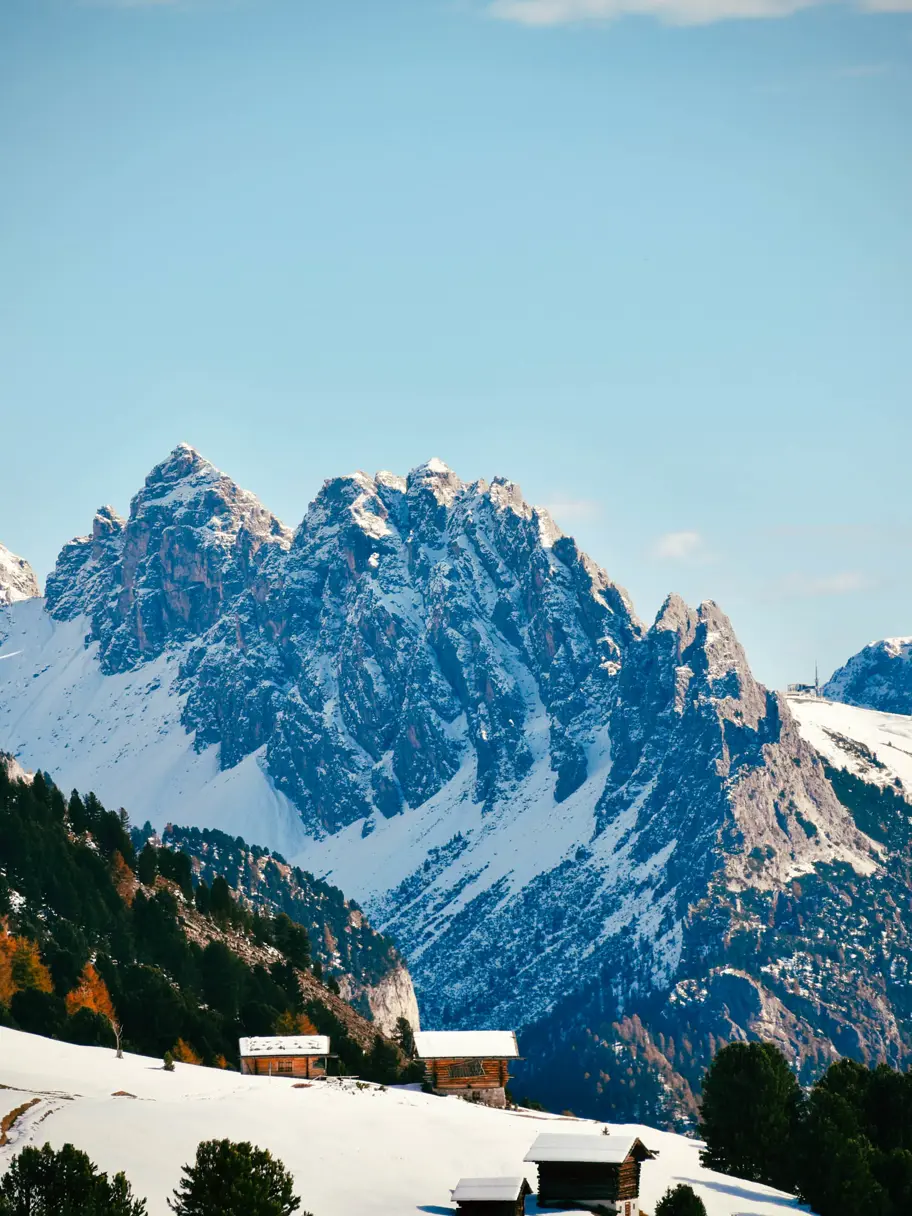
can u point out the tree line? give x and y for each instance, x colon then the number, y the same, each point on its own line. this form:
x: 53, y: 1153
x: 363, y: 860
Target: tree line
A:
x: 93, y: 949
x: 845, y: 1145
x: 225, y: 1177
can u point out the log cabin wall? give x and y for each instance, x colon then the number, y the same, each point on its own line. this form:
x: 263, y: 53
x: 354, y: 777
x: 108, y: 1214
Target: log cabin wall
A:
x: 283, y: 1066
x: 579, y: 1180
x: 457, y: 1074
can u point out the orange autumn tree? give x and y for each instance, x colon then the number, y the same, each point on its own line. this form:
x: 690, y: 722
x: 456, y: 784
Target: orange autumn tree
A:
x: 91, y: 993
x: 21, y: 967
x: 123, y: 878
x: 184, y: 1053
x: 294, y: 1023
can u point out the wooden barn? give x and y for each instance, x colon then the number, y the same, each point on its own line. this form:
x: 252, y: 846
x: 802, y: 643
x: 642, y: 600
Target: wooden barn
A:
x: 599, y: 1173
x: 491, y: 1196
x: 468, y: 1062
x: 285, y: 1055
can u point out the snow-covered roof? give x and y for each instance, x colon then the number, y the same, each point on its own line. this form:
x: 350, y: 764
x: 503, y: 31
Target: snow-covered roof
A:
x: 552, y: 1146
x: 286, y: 1045
x: 466, y: 1044
x: 469, y: 1189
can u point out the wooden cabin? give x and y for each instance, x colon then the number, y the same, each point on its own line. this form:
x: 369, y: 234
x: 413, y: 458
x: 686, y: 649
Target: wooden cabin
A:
x: 302, y: 1056
x: 468, y: 1063
x: 491, y: 1196
x: 599, y: 1173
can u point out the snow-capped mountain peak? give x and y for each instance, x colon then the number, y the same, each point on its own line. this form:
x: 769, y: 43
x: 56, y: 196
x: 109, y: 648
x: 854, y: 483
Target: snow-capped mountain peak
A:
x: 17, y: 578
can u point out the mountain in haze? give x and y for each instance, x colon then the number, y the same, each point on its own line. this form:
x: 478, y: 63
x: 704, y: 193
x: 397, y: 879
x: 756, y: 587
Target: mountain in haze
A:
x: 603, y: 832
x: 878, y: 677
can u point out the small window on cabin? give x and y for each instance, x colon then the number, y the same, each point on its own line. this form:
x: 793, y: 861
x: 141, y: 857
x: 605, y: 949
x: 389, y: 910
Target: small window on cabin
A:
x: 470, y: 1068
x: 283, y: 1065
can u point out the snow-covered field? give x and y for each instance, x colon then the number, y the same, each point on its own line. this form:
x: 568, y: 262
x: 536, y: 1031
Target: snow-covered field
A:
x: 352, y: 1148
x: 888, y: 736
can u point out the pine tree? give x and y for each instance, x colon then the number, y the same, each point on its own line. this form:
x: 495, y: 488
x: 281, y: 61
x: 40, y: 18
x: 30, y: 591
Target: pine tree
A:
x: 749, y: 1113
x: 234, y: 1177
x: 681, y: 1200
x: 405, y: 1037
x: 45, y: 1182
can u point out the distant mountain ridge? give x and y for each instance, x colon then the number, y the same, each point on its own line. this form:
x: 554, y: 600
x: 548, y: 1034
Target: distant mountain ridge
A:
x: 878, y: 677
x: 569, y: 821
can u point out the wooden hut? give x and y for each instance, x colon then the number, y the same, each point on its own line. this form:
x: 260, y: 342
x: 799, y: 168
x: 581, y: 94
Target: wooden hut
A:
x: 600, y: 1173
x: 469, y: 1063
x: 285, y: 1055
x: 492, y: 1196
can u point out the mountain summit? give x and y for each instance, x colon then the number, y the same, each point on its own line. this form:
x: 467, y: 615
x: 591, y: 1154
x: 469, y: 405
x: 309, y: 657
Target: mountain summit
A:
x: 566, y: 818
x: 17, y: 578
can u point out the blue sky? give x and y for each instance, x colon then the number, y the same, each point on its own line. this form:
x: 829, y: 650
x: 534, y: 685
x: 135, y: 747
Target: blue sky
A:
x: 651, y: 260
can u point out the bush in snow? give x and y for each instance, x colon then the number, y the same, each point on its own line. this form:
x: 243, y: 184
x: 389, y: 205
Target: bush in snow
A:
x: 41, y: 1181
x: 234, y: 1177
x: 681, y: 1200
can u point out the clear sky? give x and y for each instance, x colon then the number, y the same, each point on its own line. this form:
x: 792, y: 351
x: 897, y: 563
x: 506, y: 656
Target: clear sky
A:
x: 650, y: 259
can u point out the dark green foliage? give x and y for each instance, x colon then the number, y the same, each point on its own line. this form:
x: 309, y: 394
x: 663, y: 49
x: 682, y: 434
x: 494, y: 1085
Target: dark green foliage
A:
x: 292, y: 940
x: 38, y: 1012
x: 405, y: 1037
x: 163, y: 986
x: 42, y: 1182
x: 89, y: 1029
x: 681, y: 1200
x: 234, y: 1177
x: 168, y: 1062
x: 749, y: 1114
x: 337, y: 937
x: 880, y: 811
x: 147, y: 865
x: 221, y: 905
x: 855, y: 1146
x: 201, y: 897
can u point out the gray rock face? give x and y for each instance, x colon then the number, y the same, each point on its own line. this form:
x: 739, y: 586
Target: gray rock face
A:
x: 598, y: 812
x: 17, y: 578
x: 191, y: 544
x: 878, y: 677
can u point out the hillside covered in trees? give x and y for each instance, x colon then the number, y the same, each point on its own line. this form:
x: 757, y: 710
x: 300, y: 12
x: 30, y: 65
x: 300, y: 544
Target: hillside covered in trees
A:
x: 100, y: 944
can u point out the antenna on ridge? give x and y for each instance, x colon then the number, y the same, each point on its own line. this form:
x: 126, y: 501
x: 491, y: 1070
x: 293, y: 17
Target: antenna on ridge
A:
x: 816, y: 680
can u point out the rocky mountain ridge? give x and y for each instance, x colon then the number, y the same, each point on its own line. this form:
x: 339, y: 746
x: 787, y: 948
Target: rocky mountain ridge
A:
x: 878, y: 677
x: 17, y: 578
x: 568, y: 820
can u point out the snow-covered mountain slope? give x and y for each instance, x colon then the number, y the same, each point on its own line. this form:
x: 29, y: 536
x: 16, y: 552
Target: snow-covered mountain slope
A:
x: 878, y: 677
x: 431, y: 695
x: 17, y: 578
x: 350, y: 1148
x: 873, y: 745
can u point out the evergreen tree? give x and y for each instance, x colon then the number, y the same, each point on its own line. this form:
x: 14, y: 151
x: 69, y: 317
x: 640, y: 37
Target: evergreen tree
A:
x: 681, y: 1200
x: 201, y: 897
x: 749, y: 1113
x: 147, y: 865
x: 405, y: 1037
x: 45, y: 1182
x: 234, y: 1177
x: 220, y: 902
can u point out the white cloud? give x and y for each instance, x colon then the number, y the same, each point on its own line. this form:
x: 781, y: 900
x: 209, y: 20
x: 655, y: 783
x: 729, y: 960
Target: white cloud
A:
x: 674, y: 12
x: 807, y: 586
x: 680, y: 547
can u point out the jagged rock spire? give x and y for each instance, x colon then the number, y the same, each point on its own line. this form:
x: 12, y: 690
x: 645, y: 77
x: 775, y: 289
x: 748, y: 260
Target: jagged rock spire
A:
x: 17, y: 578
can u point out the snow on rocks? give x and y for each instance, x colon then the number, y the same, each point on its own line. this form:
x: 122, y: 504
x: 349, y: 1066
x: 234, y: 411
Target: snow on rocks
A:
x: 17, y: 578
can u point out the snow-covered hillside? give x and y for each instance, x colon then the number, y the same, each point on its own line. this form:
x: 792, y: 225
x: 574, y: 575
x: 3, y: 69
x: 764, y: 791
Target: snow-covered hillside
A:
x: 835, y: 730
x: 351, y: 1148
